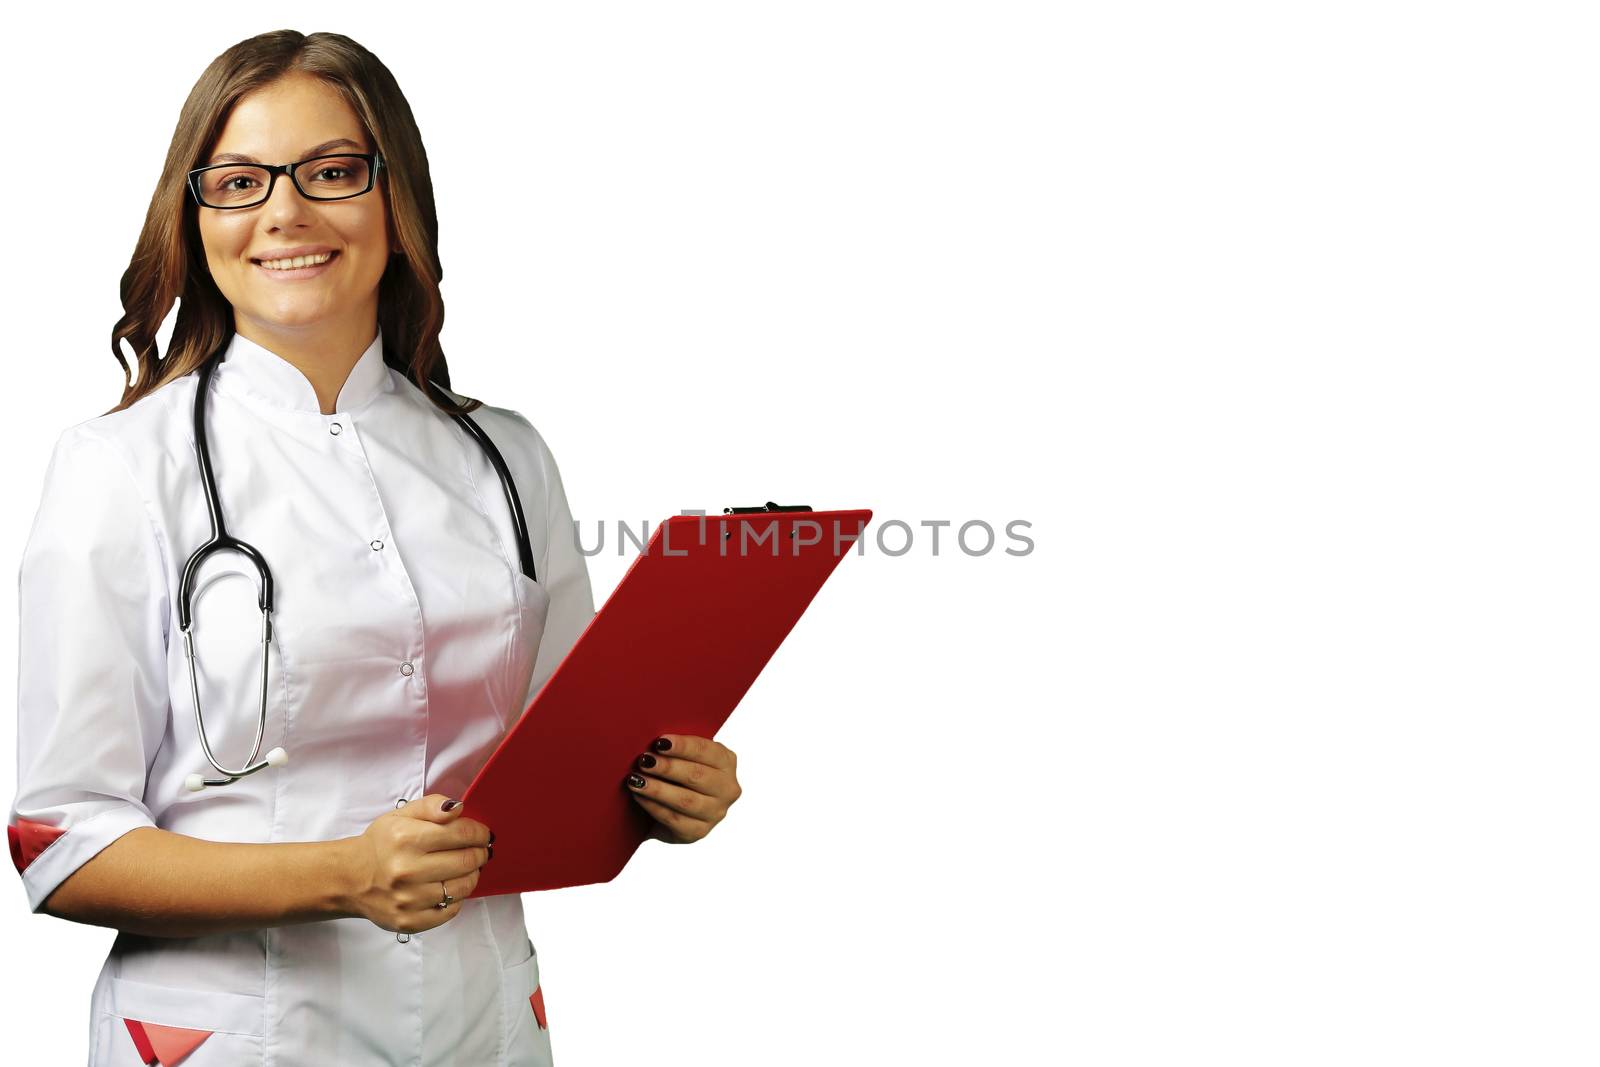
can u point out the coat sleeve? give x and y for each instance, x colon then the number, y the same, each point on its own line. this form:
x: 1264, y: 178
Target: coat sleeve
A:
x: 92, y: 697
x: 565, y: 572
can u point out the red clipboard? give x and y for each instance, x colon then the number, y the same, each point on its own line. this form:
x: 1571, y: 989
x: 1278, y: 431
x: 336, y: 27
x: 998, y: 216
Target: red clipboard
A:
x: 674, y: 649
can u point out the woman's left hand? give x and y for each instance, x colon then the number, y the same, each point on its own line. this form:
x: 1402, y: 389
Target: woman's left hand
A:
x: 687, y: 784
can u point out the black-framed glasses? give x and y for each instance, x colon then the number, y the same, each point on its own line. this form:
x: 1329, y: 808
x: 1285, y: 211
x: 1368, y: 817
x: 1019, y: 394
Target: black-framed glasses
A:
x: 339, y: 176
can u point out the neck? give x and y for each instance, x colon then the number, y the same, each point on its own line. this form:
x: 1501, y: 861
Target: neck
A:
x: 324, y: 353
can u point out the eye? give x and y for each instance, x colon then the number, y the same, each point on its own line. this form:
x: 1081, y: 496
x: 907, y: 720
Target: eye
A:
x: 234, y: 182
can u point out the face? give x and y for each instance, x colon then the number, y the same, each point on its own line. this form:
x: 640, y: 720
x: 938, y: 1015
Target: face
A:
x: 294, y: 118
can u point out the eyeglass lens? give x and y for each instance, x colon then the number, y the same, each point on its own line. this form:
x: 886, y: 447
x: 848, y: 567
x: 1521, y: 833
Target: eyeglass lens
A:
x: 323, y: 178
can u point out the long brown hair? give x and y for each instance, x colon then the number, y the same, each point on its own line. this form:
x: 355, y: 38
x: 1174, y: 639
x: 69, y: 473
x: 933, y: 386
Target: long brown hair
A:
x: 169, y: 261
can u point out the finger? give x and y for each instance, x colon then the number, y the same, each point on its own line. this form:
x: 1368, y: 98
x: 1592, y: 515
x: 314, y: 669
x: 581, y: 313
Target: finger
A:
x: 432, y: 808
x: 426, y: 896
x: 676, y: 797
x: 465, y: 833
x: 461, y: 888
x: 700, y: 777
x: 685, y: 827
x: 699, y: 749
x: 459, y: 832
x: 450, y: 863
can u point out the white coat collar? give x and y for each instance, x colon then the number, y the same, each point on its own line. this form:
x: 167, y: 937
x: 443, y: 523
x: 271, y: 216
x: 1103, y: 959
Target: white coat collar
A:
x: 266, y: 376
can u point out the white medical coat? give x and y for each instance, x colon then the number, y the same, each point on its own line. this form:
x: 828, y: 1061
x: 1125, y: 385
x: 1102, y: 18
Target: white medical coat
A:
x: 406, y: 640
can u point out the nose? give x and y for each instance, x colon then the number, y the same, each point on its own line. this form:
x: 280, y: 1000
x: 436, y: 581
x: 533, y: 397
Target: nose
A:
x: 285, y: 207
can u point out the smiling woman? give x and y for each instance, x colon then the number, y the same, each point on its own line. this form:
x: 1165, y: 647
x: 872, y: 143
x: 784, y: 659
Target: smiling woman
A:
x: 325, y: 113
x: 294, y: 262
x: 406, y: 619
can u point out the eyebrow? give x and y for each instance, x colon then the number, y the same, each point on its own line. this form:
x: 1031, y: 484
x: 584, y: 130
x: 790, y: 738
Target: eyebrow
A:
x: 315, y: 150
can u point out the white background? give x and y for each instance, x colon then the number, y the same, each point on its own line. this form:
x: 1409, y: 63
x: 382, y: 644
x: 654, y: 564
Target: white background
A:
x: 1276, y: 321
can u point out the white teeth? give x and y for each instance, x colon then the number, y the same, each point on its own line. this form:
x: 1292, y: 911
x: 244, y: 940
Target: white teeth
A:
x: 296, y: 262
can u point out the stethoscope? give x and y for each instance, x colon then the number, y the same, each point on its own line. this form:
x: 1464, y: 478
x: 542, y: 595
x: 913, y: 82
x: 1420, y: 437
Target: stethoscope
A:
x: 222, y: 541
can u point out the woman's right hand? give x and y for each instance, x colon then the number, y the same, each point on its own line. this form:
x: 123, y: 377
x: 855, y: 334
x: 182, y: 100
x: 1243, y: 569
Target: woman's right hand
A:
x: 397, y: 864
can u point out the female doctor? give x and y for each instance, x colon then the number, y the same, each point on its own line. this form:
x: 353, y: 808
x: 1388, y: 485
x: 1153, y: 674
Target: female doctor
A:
x: 266, y: 917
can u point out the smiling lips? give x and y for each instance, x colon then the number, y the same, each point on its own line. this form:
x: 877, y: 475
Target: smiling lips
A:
x: 295, y: 262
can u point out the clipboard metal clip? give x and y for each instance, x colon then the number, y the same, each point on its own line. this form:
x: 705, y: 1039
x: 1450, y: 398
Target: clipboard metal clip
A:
x: 768, y: 506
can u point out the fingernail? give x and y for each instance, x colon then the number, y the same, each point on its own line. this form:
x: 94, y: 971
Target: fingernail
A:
x: 647, y: 761
x: 451, y: 805
x: 636, y: 781
x: 491, y: 837
x: 491, y: 854
x: 662, y: 744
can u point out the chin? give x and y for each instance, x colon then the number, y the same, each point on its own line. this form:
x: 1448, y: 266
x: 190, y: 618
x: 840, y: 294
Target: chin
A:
x: 274, y: 322
x: 291, y: 314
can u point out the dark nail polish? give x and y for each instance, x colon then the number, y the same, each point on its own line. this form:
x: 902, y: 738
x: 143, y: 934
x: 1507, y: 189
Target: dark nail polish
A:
x: 661, y: 744
x: 451, y: 805
x: 491, y: 837
x: 636, y: 781
x: 491, y: 854
x: 647, y: 761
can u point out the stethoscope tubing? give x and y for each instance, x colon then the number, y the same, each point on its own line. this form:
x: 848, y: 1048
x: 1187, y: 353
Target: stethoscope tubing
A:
x: 221, y: 541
